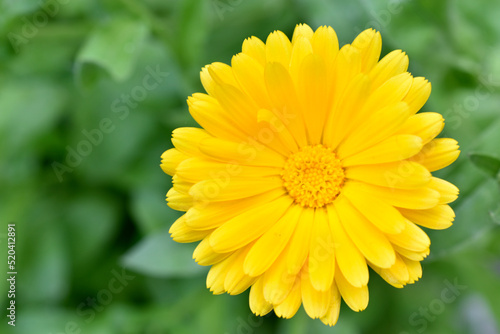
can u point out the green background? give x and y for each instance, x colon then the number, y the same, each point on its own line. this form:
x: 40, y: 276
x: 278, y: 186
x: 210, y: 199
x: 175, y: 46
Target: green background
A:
x: 73, y: 69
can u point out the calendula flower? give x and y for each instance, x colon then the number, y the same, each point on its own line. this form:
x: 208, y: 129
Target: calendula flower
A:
x: 311, y: 165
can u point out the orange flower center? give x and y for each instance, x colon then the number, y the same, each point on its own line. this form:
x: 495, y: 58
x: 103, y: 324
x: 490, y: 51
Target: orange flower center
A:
x: 313, y: 176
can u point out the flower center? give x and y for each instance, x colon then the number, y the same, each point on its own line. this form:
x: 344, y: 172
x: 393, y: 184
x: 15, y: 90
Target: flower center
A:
x: 313, y: 176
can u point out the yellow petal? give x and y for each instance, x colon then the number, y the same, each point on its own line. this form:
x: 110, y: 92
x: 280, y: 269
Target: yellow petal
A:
x: 238, y: 105
x: 301, y: 49
x: 332, y: 314
x: 207, y: 112
x: 273, y: 122
x: 302, y: 30
x: 379, y: 126
x: 372, y: 243
x: 369, y: 43
x: 215, y: 74
x: 397, y: 275
x: 290, y: 305
x: 170, y: 159
x: 326, y: 45
x: 254, y: 222
x: 447, y: 191
x: 419, y: 93
x: 179, y: 201
x: 227, y: 275
x: 248, y: 153
x: 278, y: 283
x: 399, y: 175
x: 342, y: 117
x: 205, y: 216
x: 312, y: 92
x: 300, y: 241
x: 243, y: 110
x: 278, y: 48
x: 315, y: 302
x: 180, y: 232
x: 346, y: 67
x: 204, y: 255
x: 411, y: 238
x: 197, y: 169
x: 384, y: 216
x: 412, y: 255
x: 236, y: 280
x: 250, y: 75
x: 426, y: 125
x: 394, y: 63
x: 236, y: 284
x: 414, y: 269
x: 285, y: 101
x: 217, y: 274
x: 390, y: 92
x: 321, y: 254
x: 255, y: 48
x: 267, y: 249
x: 395, y: 148
x: 187, y: 140
x: 355, y: 297
x: 420, y: 198
x: 349, y: 259
x: 181, y: 185
x: 437, y: 218
x: 437, y: 154
x: 325, y: 42
x: 216, y: 190
x: 376, y: 108
x: 258, y: 304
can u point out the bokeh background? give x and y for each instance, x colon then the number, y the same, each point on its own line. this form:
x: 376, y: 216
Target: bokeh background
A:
x: 89, y: 94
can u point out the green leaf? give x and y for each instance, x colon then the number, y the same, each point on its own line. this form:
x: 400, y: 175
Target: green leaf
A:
x: 472, y: 222
x: 44, y: 319
x: 114, y: 47
x: 150, y: 209
x: 495, y: 215
x: 91, y: 219
x: 44, y: 262
x: 487, y: 163
x: 29, y: 109
x: 158, y: 255
x: 477, y: 314
x: 11, y: 9
x: 302, y: 324
x: 193, y: 29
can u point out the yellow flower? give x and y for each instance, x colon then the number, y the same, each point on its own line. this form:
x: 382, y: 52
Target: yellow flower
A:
x: 311, y: 165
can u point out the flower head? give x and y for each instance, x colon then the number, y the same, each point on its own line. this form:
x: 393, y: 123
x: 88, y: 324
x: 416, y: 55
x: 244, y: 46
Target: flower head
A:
x: 312, y: 164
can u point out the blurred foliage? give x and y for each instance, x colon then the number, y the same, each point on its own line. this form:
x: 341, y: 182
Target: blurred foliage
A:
x: 89, y: 94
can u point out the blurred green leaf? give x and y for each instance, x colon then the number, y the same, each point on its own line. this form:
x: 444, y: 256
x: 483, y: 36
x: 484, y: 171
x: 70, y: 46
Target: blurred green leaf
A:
x: 471, y: 139
x: 472, y: 222
x: 158, y: 255
x: 111, y: 158
x: 114, y: 46
x: 47, y: 320
x: 10, y: 8
x: 488, y: 163
x: 150, y: 210
x: 477, y: 315
x: 92, y: 220
x: 192, y: 30
x: 45, y: 274
x: 302, y: 324
x: 473, y: 25
x: 495, y: 215
x: 29, y: 109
